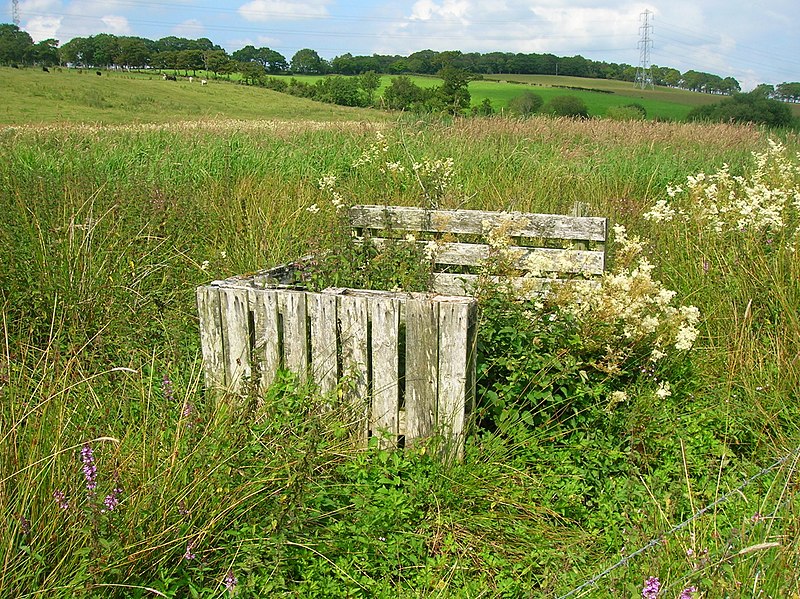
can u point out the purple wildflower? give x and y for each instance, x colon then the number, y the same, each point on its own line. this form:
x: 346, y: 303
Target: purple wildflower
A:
x: 24, y: 525
x: 61, y: 499
x: 230, y: 581
x: 112, y: 501
x: 182, y: 509
x: 166, y: 388
x: 687, y: 592
x: 651, y: 587
x: 89, y: 468
x: 189, y: 555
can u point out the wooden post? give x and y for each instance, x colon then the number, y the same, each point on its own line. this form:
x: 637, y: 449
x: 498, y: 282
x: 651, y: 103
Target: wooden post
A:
x: 385, y: 313
x: 422, y: 361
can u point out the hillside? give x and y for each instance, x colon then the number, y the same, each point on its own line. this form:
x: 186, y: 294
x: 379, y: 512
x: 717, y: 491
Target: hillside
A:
x: 33, y: 96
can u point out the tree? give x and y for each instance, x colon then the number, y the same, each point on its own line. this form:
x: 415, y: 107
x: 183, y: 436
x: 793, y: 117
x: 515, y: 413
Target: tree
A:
x: 344, y: 91
x: 752, y: 107
x: 370, y: 82
x: 252, y: 72
x: 404, y: 94
x: 133, y: 52
x: 454, y: 92
x: 15, y: 45
x: 307, y: 62
x: 788, y: 92
x: 45, y: 53
x: 525, y: 104
x: 216, y: 61
x: 569, y: 106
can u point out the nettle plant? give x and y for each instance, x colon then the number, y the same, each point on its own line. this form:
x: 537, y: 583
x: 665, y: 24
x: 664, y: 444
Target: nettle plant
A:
x: 575, y: 352
x: 764, y: 203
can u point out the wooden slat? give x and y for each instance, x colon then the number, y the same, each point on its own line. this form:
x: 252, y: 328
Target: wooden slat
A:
x: 266, y: 338
x: 384, y: 418
x: 322, y: 314
x: 353, y: 318
x: 551, y: 226
x: 546, y: 259
x: 465, y: 284
x: 235, y: 319
x: 211, y: 334
x: 292, y: 306
x: 422, y: 363
x: 455, y: 346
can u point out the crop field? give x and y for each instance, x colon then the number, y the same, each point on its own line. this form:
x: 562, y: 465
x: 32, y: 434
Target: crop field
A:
x: 644, y: 436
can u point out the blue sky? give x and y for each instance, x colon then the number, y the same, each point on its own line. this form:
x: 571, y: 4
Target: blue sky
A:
x: 755, y: 42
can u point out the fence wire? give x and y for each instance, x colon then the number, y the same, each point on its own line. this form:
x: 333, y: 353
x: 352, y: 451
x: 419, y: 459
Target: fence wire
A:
x: 655, y: 541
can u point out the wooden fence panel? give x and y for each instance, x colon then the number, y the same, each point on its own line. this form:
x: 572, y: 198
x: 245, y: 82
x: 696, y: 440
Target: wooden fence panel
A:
x: 292, y: 308
x: 422, y: 340
x: 324, y: 354
x: 354, y: 338
x: 211, y: 336
x: 385, y: 346
x: 266, y: 348
x: 234, y: 310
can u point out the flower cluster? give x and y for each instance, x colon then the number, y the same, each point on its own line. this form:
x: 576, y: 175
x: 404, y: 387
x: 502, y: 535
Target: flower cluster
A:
x: 435, y: 177
x: 766, y: 201
x: 638, y: 305
x: 89, y: 468
x: 651, y: 588
x: 327, y: 184
x: 374, y: 152
x: 112, y: 501
x: 61, y: 499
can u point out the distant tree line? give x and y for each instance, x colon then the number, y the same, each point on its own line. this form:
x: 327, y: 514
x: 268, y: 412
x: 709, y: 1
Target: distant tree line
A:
x: 112, y: 51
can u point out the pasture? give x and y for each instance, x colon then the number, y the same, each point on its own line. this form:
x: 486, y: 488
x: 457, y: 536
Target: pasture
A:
x: 121, y: 477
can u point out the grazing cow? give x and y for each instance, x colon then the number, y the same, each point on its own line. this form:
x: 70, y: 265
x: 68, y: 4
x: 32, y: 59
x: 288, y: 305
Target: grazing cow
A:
x: 203, y: 82
x: 169, y: 77
x: 191, y: 79
x: 98, y: 73
x: 45, y: 69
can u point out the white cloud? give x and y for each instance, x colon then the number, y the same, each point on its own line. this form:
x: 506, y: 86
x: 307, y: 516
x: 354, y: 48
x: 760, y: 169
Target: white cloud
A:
x: 425, y: 10
x: 42, y: 28
x: 277, y: 10
x: 116, y: 24
x: 191, y: 28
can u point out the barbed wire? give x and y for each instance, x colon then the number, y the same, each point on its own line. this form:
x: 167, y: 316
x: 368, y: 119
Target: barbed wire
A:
x: 656, y: 540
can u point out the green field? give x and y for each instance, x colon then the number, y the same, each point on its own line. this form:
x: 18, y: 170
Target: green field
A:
x: 30, y: 96
x: 120, y: 97
x: 602, y: 450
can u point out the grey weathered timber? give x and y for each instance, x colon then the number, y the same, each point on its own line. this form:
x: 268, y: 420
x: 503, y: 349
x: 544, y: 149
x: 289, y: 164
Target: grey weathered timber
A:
x: 545, y: 248
x: 404, y: 360
x: 404, y: 363
x: 385, y: 416
x: 322, y: 316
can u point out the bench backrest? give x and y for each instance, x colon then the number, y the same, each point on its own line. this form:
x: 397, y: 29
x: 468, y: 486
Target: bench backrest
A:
x: 545, y: 247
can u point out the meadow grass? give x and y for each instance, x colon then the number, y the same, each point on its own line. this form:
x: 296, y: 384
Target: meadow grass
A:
x: 110, y: 229
x: 79, y: 95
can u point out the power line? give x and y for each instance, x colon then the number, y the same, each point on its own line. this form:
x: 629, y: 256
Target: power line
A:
x: 15, y: 12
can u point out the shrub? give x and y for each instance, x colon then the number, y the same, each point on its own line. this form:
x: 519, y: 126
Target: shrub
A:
x: 745, y: 108
x: 568, y: 106
x: 525, y: 104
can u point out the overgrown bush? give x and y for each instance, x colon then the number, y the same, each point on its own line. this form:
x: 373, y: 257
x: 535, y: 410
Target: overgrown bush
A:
x: 525, y: 104
x: 567, y: 106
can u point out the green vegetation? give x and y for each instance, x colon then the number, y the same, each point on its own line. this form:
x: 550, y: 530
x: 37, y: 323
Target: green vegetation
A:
x: 121, y: 477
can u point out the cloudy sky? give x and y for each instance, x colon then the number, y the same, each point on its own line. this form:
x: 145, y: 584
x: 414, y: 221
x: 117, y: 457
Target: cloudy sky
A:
x: 755, y: 41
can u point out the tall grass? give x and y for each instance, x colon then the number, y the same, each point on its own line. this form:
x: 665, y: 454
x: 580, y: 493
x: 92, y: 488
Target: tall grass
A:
x: 110, y: 229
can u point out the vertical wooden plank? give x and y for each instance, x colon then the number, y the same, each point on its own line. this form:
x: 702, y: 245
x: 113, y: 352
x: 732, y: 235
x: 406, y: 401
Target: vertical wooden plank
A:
x: 211, y: 336
x: 384, y: 419
x: 236, y: 338
x: 454, y: 377
x: 353, y: 319
x: 322, y: 314
x: 266, y: 356
x: 292, y: 306
x: 422, y: 361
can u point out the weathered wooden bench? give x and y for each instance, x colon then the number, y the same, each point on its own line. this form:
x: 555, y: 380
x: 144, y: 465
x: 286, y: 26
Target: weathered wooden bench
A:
x: 407, y: 359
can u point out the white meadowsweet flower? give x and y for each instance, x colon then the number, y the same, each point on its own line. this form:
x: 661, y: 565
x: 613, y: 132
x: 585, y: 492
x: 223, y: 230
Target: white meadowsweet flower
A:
x: 313, y: 209
x: 663, y: 390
